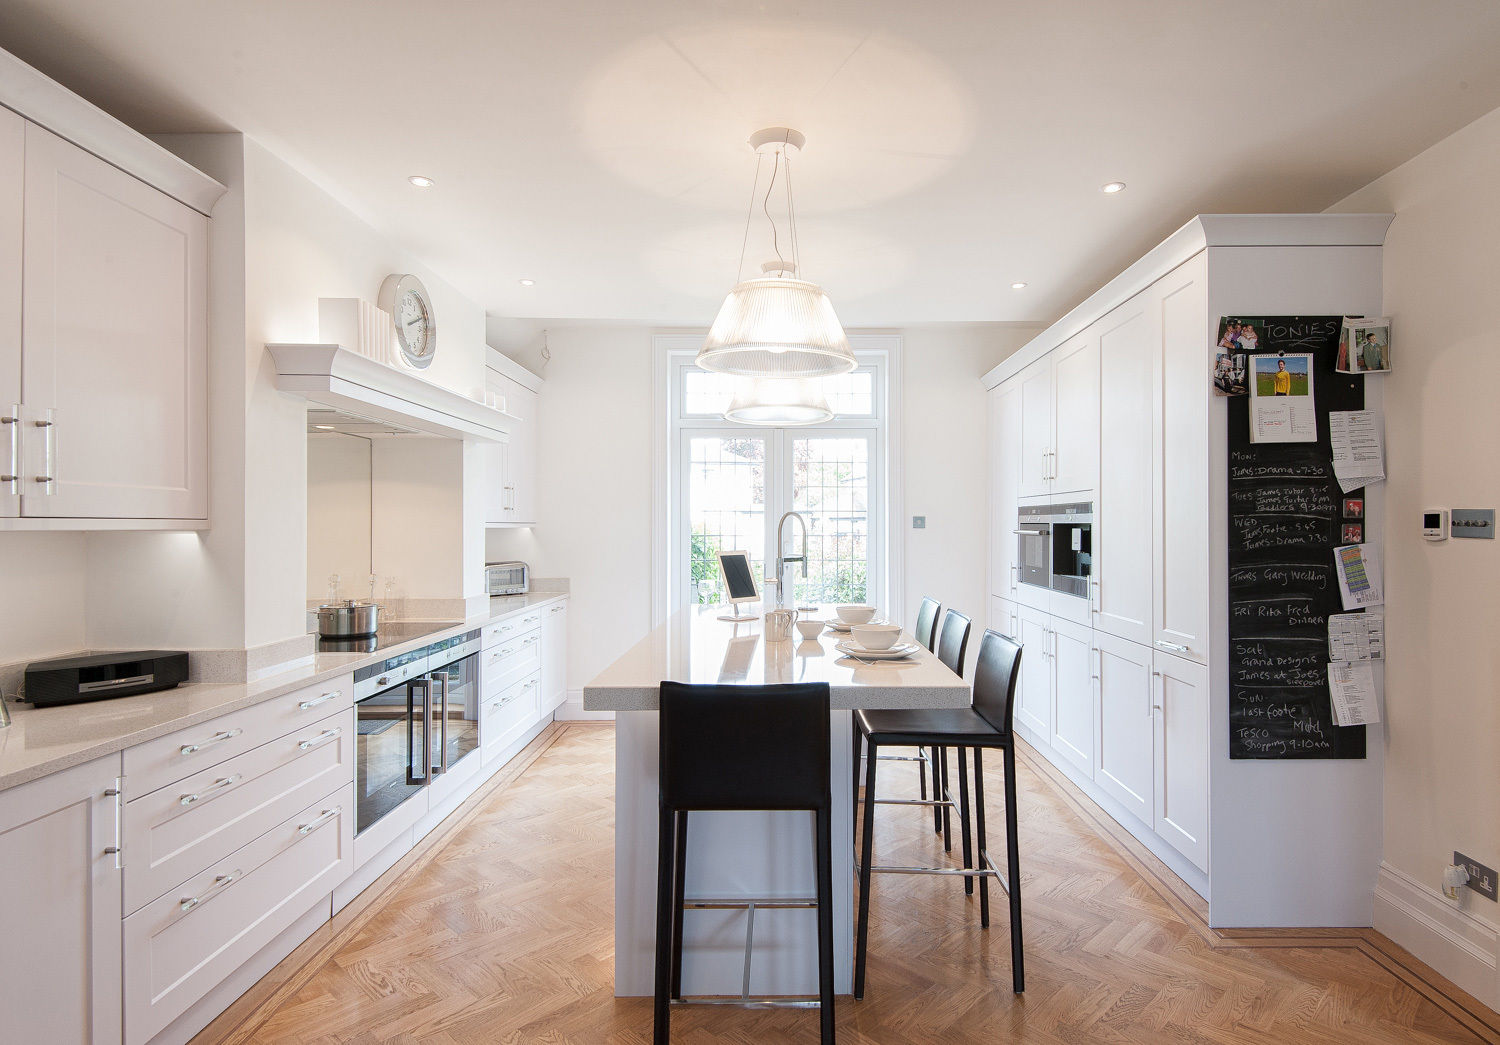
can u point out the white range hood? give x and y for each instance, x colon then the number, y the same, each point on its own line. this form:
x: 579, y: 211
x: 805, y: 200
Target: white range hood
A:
x: 354, y: 384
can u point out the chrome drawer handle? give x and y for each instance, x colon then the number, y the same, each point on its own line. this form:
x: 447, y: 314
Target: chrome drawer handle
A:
x: 532, y: 619
x: 325, y: 698
x: 506, y: 652
x: 530, y: 684
x: 326, y: 816
x: 319, y: 740
x: 1174, y: 647
x: 221, y: 882
x: 218, y: 738
x: 529, y: 641
x: 218, y: 785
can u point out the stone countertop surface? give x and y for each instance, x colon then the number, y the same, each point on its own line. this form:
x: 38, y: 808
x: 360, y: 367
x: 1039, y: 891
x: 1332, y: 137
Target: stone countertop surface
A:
x: 694, y: 646
x: 40, y: 741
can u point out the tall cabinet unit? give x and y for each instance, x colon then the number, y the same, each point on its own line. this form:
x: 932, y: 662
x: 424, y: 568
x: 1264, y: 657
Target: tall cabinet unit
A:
x: 12, y: 195
x: 511, y: 493
x: 1114, y: 405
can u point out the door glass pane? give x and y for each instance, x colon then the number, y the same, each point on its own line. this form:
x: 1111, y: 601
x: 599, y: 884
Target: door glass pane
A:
x: 726, y: 492
x: 706, y: 394
x: 831, y: 488
x: 852, y: 394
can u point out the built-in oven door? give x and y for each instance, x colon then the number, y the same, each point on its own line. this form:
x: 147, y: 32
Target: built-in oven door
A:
x: 1034, y: 552
x: 456, y: 713
x: 1072, y: 557
x: 391, y: 730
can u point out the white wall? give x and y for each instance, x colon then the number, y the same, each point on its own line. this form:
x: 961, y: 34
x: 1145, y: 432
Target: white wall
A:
x: 43, y: 580
x: 339, y: 524
x: 594, y: 468
x: 1441, y: 268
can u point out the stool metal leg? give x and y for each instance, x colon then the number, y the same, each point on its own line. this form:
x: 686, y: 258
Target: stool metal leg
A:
x: 858, y: 737
x: 679, y: 877
x: 1013, y: 872
x: 922, y: 774
x: 867, y: 846
x: 947, y: 819
x: 963, y: 816
x: 665, y: 862
x: 937, y: 790
x: 825, y: 923
x: 984, y: 883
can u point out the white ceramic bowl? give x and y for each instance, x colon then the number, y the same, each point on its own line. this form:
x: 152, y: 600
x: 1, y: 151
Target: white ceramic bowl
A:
x: 855, y: 614
x: 876, y: 636
x: 809, y: 629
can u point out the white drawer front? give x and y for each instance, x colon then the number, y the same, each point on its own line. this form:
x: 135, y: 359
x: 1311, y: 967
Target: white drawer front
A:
x: 511, y: 627
x: 509, y: 663
x: 507, y: 716
x: 182, y: 945
x: 162, y: 761
x: 177, y: 831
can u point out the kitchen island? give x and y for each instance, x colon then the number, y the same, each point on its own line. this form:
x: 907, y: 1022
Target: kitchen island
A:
x: 740, y: 854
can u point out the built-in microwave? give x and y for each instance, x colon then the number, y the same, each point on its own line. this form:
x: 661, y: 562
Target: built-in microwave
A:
x: 1055, y: 546
x: 507, y: 578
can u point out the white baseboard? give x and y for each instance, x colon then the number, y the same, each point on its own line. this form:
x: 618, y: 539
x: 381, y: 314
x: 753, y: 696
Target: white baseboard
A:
x: 1455, y: 941
x: 571, y: 710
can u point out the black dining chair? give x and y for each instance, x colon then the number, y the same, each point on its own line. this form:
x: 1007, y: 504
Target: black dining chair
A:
x: 736, y: 748
x: 925, y: 632
x: 986, y: 724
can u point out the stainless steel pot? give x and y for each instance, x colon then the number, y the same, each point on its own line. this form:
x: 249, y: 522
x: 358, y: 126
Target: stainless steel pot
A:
x: 349, y: 618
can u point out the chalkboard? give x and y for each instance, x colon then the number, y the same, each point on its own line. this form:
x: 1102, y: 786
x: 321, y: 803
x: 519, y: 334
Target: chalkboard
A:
x: 1285, y: 518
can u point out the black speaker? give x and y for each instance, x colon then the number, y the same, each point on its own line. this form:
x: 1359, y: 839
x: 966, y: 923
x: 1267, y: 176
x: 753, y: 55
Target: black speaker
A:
x: 73, y: 680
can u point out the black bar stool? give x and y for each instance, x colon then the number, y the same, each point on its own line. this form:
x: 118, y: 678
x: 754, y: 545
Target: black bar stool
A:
x: 925, y: 632
x: 740, y: 747
x: 987, y: 724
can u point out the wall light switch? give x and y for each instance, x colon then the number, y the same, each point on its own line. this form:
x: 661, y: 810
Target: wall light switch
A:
x: 919, y: 522
x: 1481, y: 878
x: 1473, y: 522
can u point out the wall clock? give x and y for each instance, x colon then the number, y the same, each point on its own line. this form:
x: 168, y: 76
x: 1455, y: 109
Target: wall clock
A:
x: 404, y: 297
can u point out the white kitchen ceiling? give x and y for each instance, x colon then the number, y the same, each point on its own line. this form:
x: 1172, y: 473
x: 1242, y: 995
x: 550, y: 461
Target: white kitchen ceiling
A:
x: 953, y: 148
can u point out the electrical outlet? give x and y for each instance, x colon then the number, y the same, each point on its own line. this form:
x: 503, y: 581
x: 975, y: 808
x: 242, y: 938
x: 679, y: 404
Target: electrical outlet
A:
x: 919, y: 522
x: 1481, y: 878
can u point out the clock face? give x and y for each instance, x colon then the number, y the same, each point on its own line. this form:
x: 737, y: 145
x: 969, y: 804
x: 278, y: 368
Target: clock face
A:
x: 413, y: 323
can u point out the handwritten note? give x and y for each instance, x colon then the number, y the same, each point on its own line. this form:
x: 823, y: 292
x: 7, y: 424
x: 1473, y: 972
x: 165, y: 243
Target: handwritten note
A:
x: 1358, y: 450
x: 1351, y: 689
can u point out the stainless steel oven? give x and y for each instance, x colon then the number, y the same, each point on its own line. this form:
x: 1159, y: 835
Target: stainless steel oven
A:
x: 416, y: 715
x: 1055, y: 546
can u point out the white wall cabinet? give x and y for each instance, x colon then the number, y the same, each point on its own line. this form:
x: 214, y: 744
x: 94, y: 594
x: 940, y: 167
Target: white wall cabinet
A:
x: 1036, y: 428
x: 1005, y: 486
x: 511, y: 495
x: 114, y: 343
x: 1075, y: 417
x: 61, y: 917
x: 12, y: 193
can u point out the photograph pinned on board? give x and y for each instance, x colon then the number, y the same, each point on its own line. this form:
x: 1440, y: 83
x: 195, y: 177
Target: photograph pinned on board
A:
x: 1237, y: 338
x: 1282, y: 407
x: 1353, y: 533
x: 1365, y: 346
x: 1354, y: 508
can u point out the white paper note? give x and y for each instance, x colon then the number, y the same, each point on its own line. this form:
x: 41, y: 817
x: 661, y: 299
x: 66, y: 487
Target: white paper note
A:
x: 1351, y: 689
x: 1356, y: 636
x: 1359, y: 575
x: 1282, y: 404
x: 1358, y: 453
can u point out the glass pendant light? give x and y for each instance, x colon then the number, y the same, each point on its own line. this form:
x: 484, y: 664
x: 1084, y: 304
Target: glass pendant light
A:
x: 777, y: 325
x: 780, y: 402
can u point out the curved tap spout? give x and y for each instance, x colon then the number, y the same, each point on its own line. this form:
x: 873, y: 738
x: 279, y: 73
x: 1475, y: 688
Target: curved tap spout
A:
x: 782, y: 560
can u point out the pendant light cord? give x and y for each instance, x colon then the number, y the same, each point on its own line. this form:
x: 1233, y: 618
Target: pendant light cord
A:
x: 749, y: 213
x: 791, y: 218
x: 765, y: 205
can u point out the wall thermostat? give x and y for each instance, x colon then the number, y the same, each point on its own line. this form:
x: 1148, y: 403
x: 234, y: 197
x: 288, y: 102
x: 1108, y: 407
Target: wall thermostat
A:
x: 1435, y: 524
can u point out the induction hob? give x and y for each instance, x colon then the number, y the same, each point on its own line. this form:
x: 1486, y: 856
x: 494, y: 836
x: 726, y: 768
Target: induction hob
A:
x: 388, y: 635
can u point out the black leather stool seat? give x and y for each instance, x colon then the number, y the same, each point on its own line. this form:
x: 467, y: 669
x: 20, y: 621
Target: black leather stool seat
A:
x: 949, y: 727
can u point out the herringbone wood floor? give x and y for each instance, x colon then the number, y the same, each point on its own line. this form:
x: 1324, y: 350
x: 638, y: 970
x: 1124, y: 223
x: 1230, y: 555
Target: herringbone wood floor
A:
x: 501, y: 933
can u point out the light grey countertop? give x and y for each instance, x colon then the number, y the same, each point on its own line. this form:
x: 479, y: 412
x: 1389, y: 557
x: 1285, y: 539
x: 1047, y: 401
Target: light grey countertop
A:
x: 40, y: 741
x: 694, y: 646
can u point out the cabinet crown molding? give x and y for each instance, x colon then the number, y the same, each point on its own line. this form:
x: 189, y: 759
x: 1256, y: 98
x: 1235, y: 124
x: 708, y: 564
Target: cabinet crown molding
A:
x: 1199, y: 234
x: 30, y: 93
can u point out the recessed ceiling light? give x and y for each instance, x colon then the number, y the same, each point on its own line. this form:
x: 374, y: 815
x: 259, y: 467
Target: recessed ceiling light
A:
x: 527, y: 282
x: 421, y: 181
x: 1113, y: 187
x: 324, y: 428
x: 1018, y: 286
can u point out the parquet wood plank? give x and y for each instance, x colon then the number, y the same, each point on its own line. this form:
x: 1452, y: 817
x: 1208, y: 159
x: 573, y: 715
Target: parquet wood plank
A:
x: 502, y: 934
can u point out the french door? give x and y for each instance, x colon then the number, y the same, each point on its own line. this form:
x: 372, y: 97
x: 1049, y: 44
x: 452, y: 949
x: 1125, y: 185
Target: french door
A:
x: 739, y: 481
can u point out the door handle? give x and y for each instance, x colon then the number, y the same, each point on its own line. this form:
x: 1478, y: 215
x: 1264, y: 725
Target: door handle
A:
x: 319, y: 740
x: 11, y: 473
x: 212, y: 789
x: 326, y: 816
x: 48, y: 476
x: 315, y: 701
x: 218, y: 738
x: 221, y: 882
x: 442, y: 766
x: 412, y: 776
x: 1155, y: 698
x: 1174, y: 647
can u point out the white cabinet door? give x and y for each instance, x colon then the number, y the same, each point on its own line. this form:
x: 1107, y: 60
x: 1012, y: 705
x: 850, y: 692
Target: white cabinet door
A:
x: 554, y: 656
x: 1005, y: 486
x: 61, y: 917
x: 1122, y: 534
x: 1182, y: 756
x: 1034, y: 701
x: 1180, y: 483
x: 1003, y: 617
x: 497, y: 463
x: 114, y: 342
x: 1075, y: 443
x: 1125, y: 753
x: 1073, y: 693
x: 523, y: 402
x: 12, y: 193
x: 1036, y: 427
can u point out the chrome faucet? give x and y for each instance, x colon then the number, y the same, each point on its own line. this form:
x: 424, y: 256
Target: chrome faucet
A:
x: 782, y: 560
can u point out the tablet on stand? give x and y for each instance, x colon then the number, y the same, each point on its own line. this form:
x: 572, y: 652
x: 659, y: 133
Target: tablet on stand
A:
x: 739, y: 584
